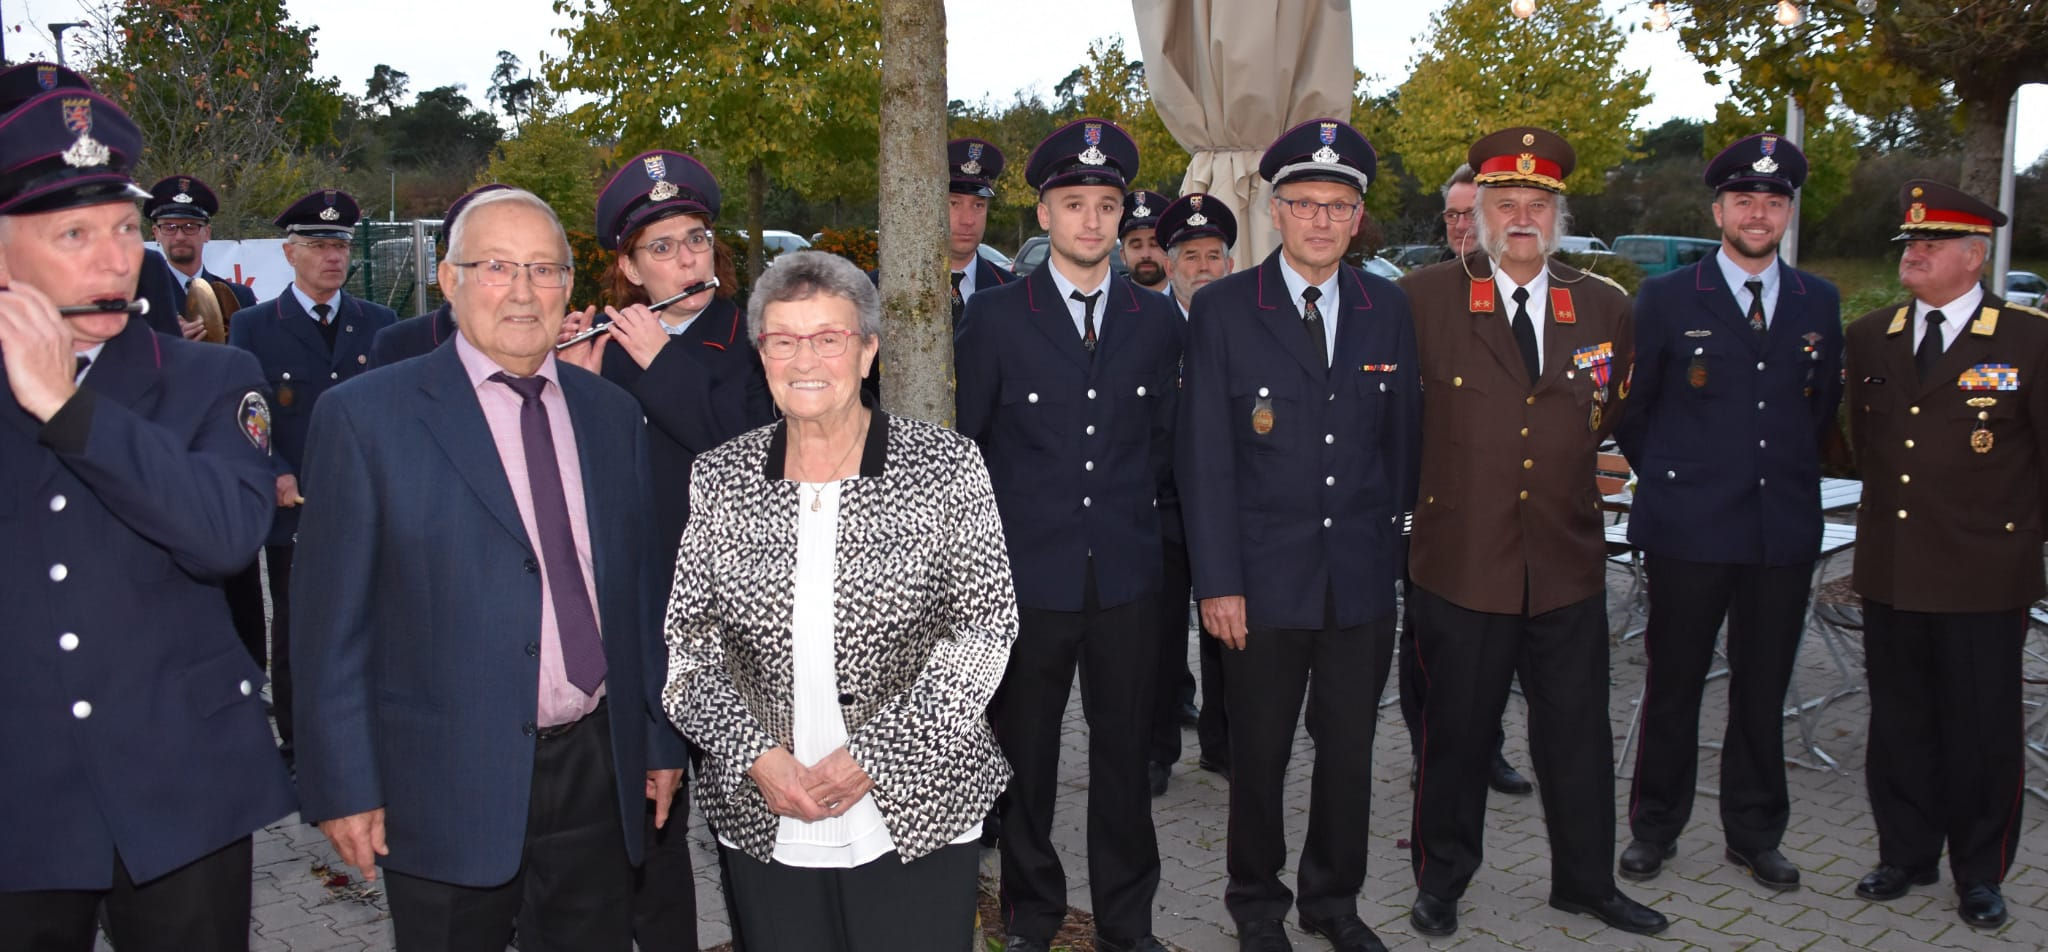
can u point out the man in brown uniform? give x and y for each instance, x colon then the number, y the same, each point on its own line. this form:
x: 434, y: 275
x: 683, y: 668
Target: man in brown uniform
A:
x: 1525, y: 365
x: 1949, y: 414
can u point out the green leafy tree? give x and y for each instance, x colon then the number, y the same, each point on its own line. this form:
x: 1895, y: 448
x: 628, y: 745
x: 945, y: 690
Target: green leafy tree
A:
x: 1481, y: 71
x: 1111, y: 85
x: 1830, y: 146
x: 788, y: 89
x: 1016, y: 128
x: 511, y: 89
x: 442, y: 128
x: 386, y: 87
x: 552, y: 158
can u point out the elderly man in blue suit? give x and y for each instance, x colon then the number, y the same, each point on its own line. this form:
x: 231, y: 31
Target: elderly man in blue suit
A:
x: 133, y: 478
x: 1737, y: 375
x: 482, y: 658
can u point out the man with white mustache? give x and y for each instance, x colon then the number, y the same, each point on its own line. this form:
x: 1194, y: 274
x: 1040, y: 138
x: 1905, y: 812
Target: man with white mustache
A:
x: 1524, y: 368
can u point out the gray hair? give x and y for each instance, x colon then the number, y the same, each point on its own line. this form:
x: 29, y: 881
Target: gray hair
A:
x: 1486, y: 237
x: 1463, y: 176
x: 1983, y: 244
x: 803, y: 275
x: 459, y: 228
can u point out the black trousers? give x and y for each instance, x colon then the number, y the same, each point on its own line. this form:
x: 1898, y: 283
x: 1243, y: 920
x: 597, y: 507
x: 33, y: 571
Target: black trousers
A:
x: 1341, y: 671
x: 277, y: 560
x: 1945, y: 761
x: 1415, y: 690
x: 665, y: 885
x: 879, y: 906
x: 202, y: 906
x: 1766, y: 611
x: 244, y: 592
x: 1172, y: 684
x: 1114, y: 649
x: 1468, y: 658
x: 574, y: 888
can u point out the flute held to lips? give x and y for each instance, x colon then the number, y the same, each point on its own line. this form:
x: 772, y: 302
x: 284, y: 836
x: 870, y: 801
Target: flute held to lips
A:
x: 658, y: 306
x: 109, y: 306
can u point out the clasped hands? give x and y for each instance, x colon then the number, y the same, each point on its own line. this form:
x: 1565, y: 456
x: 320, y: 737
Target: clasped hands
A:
x: 821, y: 791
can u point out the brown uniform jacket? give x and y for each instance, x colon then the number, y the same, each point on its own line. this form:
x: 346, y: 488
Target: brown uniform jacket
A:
x: 1507, y: 491
x: 1951, y: 519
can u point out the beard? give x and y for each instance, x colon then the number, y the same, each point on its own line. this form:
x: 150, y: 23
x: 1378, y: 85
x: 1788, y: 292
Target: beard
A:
x: 1748, y: 248
x: 181, y: 254
x: 1148, y: 273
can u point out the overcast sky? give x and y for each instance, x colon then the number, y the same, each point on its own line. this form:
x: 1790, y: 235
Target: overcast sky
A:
x: 994, y: 49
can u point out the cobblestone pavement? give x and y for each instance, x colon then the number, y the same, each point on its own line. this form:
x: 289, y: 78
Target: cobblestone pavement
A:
x: 1711, y: 905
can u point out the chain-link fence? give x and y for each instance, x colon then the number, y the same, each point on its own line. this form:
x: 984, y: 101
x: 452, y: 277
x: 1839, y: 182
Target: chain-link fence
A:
x: 394, y: 265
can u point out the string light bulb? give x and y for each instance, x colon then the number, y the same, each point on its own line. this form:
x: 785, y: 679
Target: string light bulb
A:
x: 1788, y: 14
x: 1523, y: 9
x: 1660, y: 16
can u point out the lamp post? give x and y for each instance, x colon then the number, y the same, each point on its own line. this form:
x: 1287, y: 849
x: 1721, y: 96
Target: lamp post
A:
x: 57, y: 36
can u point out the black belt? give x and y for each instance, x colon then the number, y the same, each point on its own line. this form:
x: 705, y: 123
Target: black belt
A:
x: 562, y: 730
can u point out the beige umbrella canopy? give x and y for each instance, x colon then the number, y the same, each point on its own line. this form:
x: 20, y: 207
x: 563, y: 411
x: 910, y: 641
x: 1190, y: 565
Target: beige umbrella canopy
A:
x: 1228, y: 76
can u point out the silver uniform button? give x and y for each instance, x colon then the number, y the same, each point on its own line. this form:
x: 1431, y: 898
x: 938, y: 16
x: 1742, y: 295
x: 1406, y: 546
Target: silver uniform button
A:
x: 58, y: 502
x: 1263, y: 392
x: 1759, y: 481
x: 1670, y: 474
x: 1031, y: 398
x: 67, y: 641
x: 1141, y: 391
x: 1697, y: 351
x: 287, y: 375
x: 81, y: 710
x: 1326, y: 523
x: 246, y: 689
x: 1760, y: 444
x: 58, y: 572
x: 1089, y: 466
x: 1329, y: 438
x: 1759, y: 365
x: 1329, y: 480
x: 1086, y: 502
x: 1091, y: 393
x: 1383, y: 389
x: 334, y: 375
x: 1759, y: 404
x: 1091, y: 429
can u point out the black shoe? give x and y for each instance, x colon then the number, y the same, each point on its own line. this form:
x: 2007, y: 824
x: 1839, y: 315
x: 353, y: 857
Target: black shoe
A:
x: 1888, y: 882
x: 1980, y: 905
x: 1433, y: 916
x: 1769, y: 868
x: 1158, y: 773
x: 1146, y: 944
x: 1214, y: 766
x: 1346, y: 932
x: 1643, y: 860
x: 1504, y: 778
x: 1263, y: 935
x: 1018, y: 943
x: 1619, y: 912
x: 1190, y: 715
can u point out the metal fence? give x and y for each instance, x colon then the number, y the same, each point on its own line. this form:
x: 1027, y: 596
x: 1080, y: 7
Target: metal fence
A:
x: 394, y: 265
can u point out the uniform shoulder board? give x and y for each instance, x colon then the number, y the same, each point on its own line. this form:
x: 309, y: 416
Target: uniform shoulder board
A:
x: 1610, y: 282
x: 2024, y: 309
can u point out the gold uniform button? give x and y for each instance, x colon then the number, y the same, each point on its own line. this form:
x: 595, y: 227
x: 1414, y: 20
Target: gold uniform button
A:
x: 1525, y: 431
x: 2008, y: 527
x: 1983, y: 415
x: 1905, y: 477
x: 1528, y: 464
x: 1457, y: 381
x: 1525, y: 494
x: 1909, y: 444
x: 1913, y: 410
x: 1530, y: 399
x: 1902, y: 513
x: 1432, y: 500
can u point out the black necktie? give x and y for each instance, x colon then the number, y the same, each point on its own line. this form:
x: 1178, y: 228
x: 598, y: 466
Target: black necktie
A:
x: 1087, y: 318
x: 1930, y: 345
x: 83, y: 362
x: 1312, y: 319
x: 959, y: 302
x: 575, y: 620
x: 1755, y: 286
x: 320, y: 312
x: 1525, y: 335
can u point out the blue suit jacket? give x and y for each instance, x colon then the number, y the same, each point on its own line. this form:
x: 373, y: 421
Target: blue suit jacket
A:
x: 299, y: 368
x: 1724, y: 432
x: 412, y: 337
x: 147, y: 491
x: 417, y: 658
x: 1079, y: 450
x: 1314, y: 503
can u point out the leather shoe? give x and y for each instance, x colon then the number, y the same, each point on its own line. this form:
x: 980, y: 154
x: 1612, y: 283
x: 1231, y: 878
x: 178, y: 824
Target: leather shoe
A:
x: 1190, y: 715
x: 1643, y: 860
x: 1618, y: 911
x: 1346, y: 932
x: 1263, y: 935
x: 1768, y: 867
x: 1981, y: 906
x: 1146, y: 944
x: 1214, y: 765
x: 1888, y: 882
x: 1504, y: 778
x: 1018, y: 943
x: 1433, y: 916
x: 1158, y: 774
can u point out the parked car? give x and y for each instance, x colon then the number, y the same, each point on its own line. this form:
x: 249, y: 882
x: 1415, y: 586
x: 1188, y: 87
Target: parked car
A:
x: 1032, y: 254
x: 1413, y: 256
x: 1583, y: 244
x: 2025, y: 287
x: 994, y: 257
x: 1657, y: 254
x: 1384, y: 268
x: 775, y: 241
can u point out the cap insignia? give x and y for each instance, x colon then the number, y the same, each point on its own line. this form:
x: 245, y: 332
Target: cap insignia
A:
x: 973, y: 164
x: 1918, y: 191
x: 1140, y: 211
x: 46, y: 77
x: 329, y: 214
x: 1525, y: 163
x: 1528, y: 138
x: 1917, y: 212
x: 1092, y: 134
x: 87, y: 151
x: 182, y: 198
x: 1197, y: 220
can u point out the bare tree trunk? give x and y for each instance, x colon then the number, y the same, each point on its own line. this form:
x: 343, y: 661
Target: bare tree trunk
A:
x: 757, y: 200
x: 917, y: 343
x: 1984, y: 145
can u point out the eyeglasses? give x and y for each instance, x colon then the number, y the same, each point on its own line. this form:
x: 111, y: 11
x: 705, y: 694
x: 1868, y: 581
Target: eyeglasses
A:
x: 830, y: 343
x: 179, y: 228
x: 662, y: 249
x: 1453, y: 216
x: 497, y: 274
x: 322, y: 247
x: 1303, y: 208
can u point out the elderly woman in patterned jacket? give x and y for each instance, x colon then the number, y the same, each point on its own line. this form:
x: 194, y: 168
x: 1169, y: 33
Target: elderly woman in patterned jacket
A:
x: 842, y: 613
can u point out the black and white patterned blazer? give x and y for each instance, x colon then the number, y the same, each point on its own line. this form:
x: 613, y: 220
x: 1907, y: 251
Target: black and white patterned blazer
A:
x: 925, y: 611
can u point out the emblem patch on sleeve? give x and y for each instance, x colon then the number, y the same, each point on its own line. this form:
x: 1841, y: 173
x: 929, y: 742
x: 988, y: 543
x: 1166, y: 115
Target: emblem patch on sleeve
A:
x: 254, y: 417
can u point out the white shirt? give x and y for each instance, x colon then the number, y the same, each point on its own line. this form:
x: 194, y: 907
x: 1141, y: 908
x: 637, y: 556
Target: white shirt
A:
x: 333, y: 303
x: 1067, y: 289
x: 1955, y: 315
x: 1735, y: 277
x: 678, y: 330
x: 1327, y: 304
x: 1539, y: 303
x: 967, y: 283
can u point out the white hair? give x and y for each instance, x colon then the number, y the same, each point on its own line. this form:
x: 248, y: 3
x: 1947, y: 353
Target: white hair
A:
x: 459, y: 227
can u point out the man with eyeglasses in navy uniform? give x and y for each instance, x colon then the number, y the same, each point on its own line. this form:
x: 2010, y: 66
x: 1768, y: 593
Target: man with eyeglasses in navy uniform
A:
x: 133, y: 478
x: 308, y: 339
x: 1297, y: 455
x: 180, y: 211
x: 422, y: 333
x: 1067, y: 380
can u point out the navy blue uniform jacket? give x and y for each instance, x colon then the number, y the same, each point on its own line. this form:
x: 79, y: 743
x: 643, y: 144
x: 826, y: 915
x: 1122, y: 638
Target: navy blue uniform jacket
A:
x: 1314, y: 503
x: 1724, y: 431
x: 129, y: 715
x: 298, y: 369
x: 412, y: 337
x: 417, y: 658
x: 1080, y: 450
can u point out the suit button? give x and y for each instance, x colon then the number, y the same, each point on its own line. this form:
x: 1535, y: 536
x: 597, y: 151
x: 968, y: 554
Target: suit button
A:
x: 58, y: 572
x: 81, y: 710
x: 1031, y: 398
x: 1913, y: 410
x: 1524, y: 495
x: 1091, y: 393
x: 532, y: 565
x: 1530, y: 400
x: 532, y: 650
x: 846, y: 697
x: 528, y: 728
x: 57, y: 503
x: 1141, y: 391
x: 1091, y: 429
x: 1329, y: 480
x: 1086, y: 502
x: 67, y: 641
x: 1909, y: 444
x: 350, y: 328
x: 362, y: 358
x: 1905, y: 477
x: 1902, y: 513
x: 1528, y: 464
x: 1326, y: 523
x: 246, y: 689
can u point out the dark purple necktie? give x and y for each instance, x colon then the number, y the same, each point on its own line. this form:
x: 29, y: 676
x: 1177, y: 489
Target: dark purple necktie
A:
x: 582, y: 649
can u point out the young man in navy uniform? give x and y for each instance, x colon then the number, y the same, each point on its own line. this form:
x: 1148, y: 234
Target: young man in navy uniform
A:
x: 1297, y: 455
x: 133, y: 478
x: 1067, y: 380
x: 1949, y: 419
x: 1737, y: 377
x: 308, y: 339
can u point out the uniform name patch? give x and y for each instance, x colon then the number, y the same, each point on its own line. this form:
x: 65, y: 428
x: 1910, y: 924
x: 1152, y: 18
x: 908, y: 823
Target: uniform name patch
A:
x: 254, y: 418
